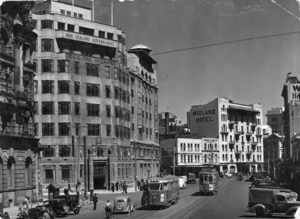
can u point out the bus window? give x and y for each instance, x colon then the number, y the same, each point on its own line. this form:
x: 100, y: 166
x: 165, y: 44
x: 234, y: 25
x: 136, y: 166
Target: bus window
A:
x: 210, y: 178
x: 154, y: 186
x: 165, y: 186
x: 205, y: 178
x: 201, y: 178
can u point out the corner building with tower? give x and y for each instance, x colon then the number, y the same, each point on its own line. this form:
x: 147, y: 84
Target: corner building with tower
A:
x: 238, y: 128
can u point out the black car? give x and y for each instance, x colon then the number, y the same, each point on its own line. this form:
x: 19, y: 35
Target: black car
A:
x: 72, y: 201
x: 57, y: 206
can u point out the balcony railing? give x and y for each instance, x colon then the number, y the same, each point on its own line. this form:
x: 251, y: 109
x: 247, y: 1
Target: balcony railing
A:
x: 231, y: 141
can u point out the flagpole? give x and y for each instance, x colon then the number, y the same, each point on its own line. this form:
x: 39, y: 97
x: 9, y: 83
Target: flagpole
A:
x: 112, y: 12
x: 93, y: 10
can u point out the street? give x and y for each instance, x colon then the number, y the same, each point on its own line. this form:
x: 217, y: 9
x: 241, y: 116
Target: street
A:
x: 229, y: 202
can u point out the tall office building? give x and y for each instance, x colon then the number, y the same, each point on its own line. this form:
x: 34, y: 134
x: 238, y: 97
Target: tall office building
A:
x: 238, y: 128
x: 144, y: 111
x: 275, y: 120
x: 18, y: 146
x: 82, y: 97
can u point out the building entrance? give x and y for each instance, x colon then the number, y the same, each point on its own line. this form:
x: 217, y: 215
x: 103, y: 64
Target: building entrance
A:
x: 100, y: 175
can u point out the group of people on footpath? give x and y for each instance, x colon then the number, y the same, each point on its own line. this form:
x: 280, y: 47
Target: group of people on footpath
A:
x: 119, y: 186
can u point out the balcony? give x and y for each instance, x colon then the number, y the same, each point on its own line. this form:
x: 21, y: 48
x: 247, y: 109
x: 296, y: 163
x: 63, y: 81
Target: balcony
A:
x: 258, y: 134
x: 248, y: 133
x: 231, y: 142
x: 238, y: 132
x: 254, y: 143
x: 224, y: 132
x: 254, y: 124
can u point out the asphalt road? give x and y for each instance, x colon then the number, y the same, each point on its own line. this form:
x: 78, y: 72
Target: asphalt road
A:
x: 229, y: 203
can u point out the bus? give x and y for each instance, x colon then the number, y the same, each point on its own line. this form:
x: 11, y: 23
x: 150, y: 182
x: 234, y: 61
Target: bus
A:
x: 163, y: 191
x: 208, y: 181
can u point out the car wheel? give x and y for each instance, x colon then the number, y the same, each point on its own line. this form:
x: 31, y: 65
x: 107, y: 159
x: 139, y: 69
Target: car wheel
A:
x: 46, y: 216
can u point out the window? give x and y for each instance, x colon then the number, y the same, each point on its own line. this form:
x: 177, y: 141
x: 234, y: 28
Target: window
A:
x: 47, y: 129
x: 62, y: 11
x: 107, y: 91
x: 47, y: 65
x: 80, y: 16
x: 132, y: 126
x: 93, y: 109
x: 92, y: 69
x: 64, y: 129
x: 60, y: 26
x: 77, y: 88
x: 108, y: 130
x: 64, y: 151
x: 75, y: 14
x: 150, y: 116
x: 49, y: 176
x: 47, y: 24
x: 66, y: 172
x: 110, y: 36
x: 101, y: 34
x: 47, y: 45
x: 107, y: 73
x: 86, y: 31
x: 77, y: 128
x: 77, y: 109
x: 63, y: 108
x: 47, y: 108
x: 150, y: 102
x: 69, y: 13
x: 132, y: 110
x: 35, y: 86
x: 116, y: 93
x: 93, y: 129
x: 108, y: 111
x: 71, y: 27
x: 76, y: 67
x: 93, y: 90
x: 63, y: 66
x: 63, y: 87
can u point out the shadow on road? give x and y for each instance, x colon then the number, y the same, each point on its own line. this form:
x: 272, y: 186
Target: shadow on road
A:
x: 270, y: 216
x: 201, y: 194
x: 150, y: 208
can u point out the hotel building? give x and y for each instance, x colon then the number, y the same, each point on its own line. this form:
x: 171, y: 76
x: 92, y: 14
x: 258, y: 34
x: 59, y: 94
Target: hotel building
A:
x: 238, y: 128
x: 82, y: 98
x: 18, y: 146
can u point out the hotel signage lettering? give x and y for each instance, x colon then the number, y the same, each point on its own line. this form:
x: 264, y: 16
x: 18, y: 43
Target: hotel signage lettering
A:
x: 204, y: 115
x: 88, y: 39
x: 91, y: 59
x: 294, y: 92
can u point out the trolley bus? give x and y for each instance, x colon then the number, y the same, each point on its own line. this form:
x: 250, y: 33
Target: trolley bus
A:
x: 163, y: 191
x: 208, y: 181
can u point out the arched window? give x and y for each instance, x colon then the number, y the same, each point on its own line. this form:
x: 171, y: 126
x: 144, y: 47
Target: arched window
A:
x: 28, y: 171
x: 11, y: 172
x: 242, y: 157
x: 205, y: 158
x: 204, y: 146
x: 216, y: 146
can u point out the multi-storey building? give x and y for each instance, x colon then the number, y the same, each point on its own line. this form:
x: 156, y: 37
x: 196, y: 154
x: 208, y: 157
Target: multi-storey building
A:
x: 238, y: 128
x: 275, y: 120
x: 82, y: 98
x: 144, y: 111
x: 168, y: 123
x: 18, y: 146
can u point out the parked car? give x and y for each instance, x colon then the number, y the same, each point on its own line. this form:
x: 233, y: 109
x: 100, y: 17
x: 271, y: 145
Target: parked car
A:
x: 123, y: 204
x: 72, y: 202
x: 58, y: 207
x: 182, y: 183
x: 184, y: 177
x: 228, y: 175
x: 256, y: 182
x: 191, y: 178
x: 40, y: 211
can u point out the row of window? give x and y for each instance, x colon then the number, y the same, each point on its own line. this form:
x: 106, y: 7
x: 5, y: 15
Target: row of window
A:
x: 68, y: 13
x: 242, y: 118
x: 64, y: 129
x: 225, y: 158
x: 49, y: 24
x: 190, y: 147
x: 257, y: 148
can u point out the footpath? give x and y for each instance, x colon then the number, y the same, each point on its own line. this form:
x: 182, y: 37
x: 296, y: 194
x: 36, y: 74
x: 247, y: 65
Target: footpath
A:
x: 14, y: 210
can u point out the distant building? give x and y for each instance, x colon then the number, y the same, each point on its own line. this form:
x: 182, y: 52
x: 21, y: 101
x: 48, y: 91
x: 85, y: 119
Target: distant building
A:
x: 18, y: 148
x: 275, y: 120
x: 238, y: 128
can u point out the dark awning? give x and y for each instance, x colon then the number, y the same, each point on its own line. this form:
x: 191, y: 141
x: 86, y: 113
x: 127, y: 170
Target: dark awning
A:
x: 240, y: 108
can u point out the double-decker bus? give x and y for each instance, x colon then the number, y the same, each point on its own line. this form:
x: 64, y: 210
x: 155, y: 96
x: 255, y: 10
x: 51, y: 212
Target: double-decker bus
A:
x: 208, y: 181
x: 163, y: 191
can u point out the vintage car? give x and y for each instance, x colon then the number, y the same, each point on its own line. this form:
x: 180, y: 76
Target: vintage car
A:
x: 268, y: 201
x: 191, y: 178
x: 40, y: 211
x: 182, y: 183
x: 58, y: 207
x: 123, y: 204
x: 72, y: 202
x: 184, y: 177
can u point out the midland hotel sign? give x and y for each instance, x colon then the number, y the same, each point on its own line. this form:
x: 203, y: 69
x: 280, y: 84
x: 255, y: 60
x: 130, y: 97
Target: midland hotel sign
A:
x: 85, y: 38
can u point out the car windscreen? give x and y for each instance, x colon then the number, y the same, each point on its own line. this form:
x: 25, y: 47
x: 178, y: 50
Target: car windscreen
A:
x: 154, y: 186
x: 120, y: 201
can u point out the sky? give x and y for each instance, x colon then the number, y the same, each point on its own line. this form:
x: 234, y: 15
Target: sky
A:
x: 246, y: 72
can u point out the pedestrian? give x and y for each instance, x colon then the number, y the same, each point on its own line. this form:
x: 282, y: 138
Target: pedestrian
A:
x: 112, y: 187
x: 145, y: 194
x: 125, y: 187
x: 138, y: 184
x: 121, y: 186
x: 66, y: 191
x: 117, y: 185
x: 95, y: 200
x: 69, y: 188
x: 25, y: 203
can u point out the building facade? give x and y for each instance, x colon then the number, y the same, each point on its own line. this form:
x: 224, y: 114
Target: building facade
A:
x: 82, y: 98
x: 238, y: 128
x: 275, y: 119
x: 18, y: 146
x: 144, y: 111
